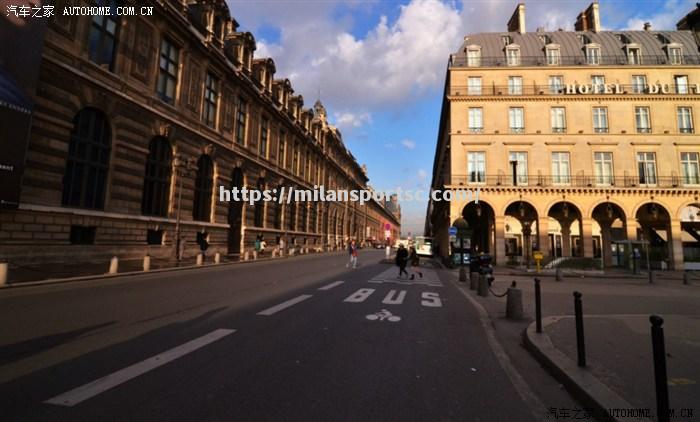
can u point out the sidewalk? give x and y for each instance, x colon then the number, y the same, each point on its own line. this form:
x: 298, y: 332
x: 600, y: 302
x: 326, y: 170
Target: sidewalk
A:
x: 619, y: 369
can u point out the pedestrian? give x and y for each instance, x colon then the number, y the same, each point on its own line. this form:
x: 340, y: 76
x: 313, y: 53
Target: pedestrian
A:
x: 352, y: 252
x: 263, y: 244
x: 257, y: 243
x: 203, y: 246
x: 402, y: 259
x: 181, y: 251
x: 414, y: 259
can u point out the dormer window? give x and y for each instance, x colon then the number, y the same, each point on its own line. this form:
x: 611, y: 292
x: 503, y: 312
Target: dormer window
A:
x: 546, y: 39
x: 506, y: 40
x: 592, y: 54
x: 473, y: 56
x: 553, y: 54
x: 584, y: 39
x: 513, y: 55
x: 634, y: 54
x: 674, y: 53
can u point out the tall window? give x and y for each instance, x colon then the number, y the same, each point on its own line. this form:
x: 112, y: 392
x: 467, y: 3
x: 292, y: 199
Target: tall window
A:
x: 259, y: 213
x: 201, y: 207
x: 641, y: 115
x: 593, y: 55
x: 690, y: 168
x: 476, y: 167
x: 156, y: 184
x: 515, y: 85
x: 474, y: 85
x: 634, y: 55
x: 556, y: 84
x: 292, y: 223
x: 520, y: 159
x: 513, y: 56
x: 598, y: 84
x: 560, y: 168
x: 281, y: 150
x: 553, y: 56
x: 600, y: 119
x: 211, y: 96
x: 303, y: 216
x: 516, y: 117
x: 278, y: 210
x: 646, y: 164
x: 295, y: 160
x: 603, y: 164
x: 262, y: 144
x: 685, y: 120
x: 103, y: 35
x: 558, y: 118
x: 675, y: 56
x: 168, y: 68
x: 473, y: 57
x: 88, y: 160
x: 639, y: 84
x: 681, y: 84
x: 241, y: 117
x: 476, y: 120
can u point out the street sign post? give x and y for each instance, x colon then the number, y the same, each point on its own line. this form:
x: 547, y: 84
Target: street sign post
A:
x: 452, y: 231
x: 538, y: 256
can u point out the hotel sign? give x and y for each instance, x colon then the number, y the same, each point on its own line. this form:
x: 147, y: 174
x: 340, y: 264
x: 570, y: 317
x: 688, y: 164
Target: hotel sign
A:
x: 573, y: 89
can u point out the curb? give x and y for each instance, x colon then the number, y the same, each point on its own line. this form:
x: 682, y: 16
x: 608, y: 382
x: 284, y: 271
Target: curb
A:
x: 136, y: 273
x: 580, y: 382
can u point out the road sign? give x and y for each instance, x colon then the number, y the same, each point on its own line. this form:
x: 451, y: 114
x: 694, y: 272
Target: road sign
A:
x: 452, y: 231
x: 387, y: 234
x: 538, y: 255
x: 387, y: 226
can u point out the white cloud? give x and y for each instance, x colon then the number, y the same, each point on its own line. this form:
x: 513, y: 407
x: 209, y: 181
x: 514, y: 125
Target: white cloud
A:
x: 665, y: 19
x: 348, y: 120
x: 422, y: 175
x: 408, y: 144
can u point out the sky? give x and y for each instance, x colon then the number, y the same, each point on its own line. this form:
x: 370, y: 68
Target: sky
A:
x: 379, y: 66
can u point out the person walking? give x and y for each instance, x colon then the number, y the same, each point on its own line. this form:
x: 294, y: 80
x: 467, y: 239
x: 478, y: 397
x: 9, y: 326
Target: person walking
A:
x: 401, y: 260
x: 352, y: 251
x: 414, y: 259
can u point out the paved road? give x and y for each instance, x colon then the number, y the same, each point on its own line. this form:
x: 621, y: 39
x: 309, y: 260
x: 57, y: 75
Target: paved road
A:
x: 301, y: 339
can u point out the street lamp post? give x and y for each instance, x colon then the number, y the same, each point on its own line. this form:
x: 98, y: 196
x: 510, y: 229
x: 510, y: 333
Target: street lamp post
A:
x: 182, y: 169
x: 514, y: 165
x: 462, y: 231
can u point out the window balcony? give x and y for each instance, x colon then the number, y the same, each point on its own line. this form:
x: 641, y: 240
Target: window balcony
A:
x: 600, y: 130
x: 575, y: 60
x: 517, y: 130
x: 586, y: 181
x: 686, y: 130
x: 561, y: 129
x: 643, y: 130
x: 476, y: 130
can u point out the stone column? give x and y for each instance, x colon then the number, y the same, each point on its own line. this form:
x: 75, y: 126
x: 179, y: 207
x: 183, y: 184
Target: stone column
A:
x: 587, y: 237
x: 631, y: 227
x: 606, y: 238
x: 676, y: 252
x: 500, y: 250
x: 565, y: 238
x: 543, y: 234
x: 527, y: 242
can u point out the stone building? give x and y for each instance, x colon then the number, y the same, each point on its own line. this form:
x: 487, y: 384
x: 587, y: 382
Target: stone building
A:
x: 138, y: 120
x: 582, y: 143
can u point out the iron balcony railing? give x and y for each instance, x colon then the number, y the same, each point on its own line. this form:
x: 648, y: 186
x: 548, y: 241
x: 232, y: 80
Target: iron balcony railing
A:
x: 478, y: 179
x: 578, y: 60
x: 544, y: 89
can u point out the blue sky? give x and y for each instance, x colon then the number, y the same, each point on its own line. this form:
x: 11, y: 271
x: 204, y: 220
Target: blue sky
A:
x: 380, y: 65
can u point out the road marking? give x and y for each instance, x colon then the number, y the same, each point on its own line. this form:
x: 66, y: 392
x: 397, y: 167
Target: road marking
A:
x: 407, y: 283
x: 430, y: 278
x: 87, y: 391
x: 431, y: 300
x: 383, y: 315
x: 359, y: 296
x: 284, y: 305
x: 392, y: 299
x: 330, y: 286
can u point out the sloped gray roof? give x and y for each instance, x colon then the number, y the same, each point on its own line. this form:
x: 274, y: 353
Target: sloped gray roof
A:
x: 571, y: 45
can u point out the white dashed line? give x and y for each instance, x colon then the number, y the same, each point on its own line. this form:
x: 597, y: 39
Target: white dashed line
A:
x: 330, y: 286
x: 87, y: 391
x: 284, y: 305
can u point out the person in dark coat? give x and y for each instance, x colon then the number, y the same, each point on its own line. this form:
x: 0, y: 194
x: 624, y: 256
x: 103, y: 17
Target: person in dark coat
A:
x: 402, y: 260
x: 414, y: 259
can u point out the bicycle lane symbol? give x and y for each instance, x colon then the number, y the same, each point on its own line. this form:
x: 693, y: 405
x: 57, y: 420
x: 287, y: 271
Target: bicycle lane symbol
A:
x: 383, y: 315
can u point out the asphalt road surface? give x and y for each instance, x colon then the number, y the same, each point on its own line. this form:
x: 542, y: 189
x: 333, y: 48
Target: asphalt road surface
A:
x: 303, y: 339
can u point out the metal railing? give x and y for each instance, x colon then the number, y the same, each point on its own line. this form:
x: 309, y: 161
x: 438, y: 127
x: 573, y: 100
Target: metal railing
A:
x: 578, y: 60
x: 545, y: 89
x: 574, y: 181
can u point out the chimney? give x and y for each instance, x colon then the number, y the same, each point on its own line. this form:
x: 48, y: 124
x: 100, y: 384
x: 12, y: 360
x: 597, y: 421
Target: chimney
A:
x: 647, y: 26
x: 517, y: 21
x: 589, y: 19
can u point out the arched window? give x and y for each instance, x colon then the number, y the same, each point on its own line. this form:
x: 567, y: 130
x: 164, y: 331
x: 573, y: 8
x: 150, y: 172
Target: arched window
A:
x: 156, y: 183
x: 304, y: 220
x: 259, y: 216
x: 278, y: 210
x: 201, y: 209
x: 85, y: 177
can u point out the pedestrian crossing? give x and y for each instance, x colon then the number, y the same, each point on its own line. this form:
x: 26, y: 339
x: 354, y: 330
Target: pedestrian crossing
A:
x: 390, y: 276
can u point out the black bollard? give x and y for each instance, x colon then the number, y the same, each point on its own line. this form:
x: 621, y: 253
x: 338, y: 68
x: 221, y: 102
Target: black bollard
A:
x: 538, y: 305
x: 580, y: 346
x: 657, y: 344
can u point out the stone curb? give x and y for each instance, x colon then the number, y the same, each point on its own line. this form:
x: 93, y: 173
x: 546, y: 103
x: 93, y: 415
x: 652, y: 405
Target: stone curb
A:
x: 154, y: 271
x: 580, y: 382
